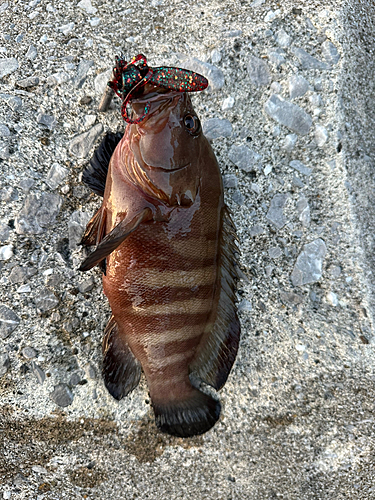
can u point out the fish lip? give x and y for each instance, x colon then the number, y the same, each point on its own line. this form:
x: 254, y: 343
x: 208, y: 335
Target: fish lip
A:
x: 167, y: 170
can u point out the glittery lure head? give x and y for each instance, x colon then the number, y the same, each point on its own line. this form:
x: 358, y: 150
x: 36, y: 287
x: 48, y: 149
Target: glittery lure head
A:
x: 129, y: 79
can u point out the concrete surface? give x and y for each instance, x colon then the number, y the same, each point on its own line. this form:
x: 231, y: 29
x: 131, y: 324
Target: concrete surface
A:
x: 295, y: 81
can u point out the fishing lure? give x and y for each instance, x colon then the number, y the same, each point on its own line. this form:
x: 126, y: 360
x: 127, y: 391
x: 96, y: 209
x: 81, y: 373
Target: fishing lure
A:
x: 166, y: 245
x: 129, y: 80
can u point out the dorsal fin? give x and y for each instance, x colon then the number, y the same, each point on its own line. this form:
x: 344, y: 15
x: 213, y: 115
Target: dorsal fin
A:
x: 218, y: 348
x: 95, y: 173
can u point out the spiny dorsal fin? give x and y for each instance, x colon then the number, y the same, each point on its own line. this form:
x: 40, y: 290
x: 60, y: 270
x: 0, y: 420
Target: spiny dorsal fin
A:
x: 218, y: 348
x: 95, y: 173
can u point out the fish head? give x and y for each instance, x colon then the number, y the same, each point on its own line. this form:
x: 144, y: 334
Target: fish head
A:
x: 169, y: 137
x: 168, y: 146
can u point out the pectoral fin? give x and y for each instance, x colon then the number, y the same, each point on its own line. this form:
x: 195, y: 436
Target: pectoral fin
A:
x: 115, y: 238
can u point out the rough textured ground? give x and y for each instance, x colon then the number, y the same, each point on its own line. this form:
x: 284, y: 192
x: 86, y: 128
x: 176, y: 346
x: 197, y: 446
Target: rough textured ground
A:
x: 298, y: 412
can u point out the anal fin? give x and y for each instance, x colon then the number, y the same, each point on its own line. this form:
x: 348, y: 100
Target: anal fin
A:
x: 121, y: 370
x: 218, y: 348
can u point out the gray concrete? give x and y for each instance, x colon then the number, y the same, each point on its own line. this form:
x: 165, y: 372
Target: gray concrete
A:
x: 298, y: 409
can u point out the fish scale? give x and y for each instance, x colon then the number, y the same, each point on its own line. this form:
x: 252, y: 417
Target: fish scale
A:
x: 167, y: 245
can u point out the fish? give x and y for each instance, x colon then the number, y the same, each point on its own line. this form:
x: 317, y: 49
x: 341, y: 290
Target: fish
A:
x: 167, y: 247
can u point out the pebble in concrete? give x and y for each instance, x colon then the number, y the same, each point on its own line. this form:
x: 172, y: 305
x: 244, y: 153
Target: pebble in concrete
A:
x: 244, y: 306
x: 215, y: 56
x: 291, y: 298
x: 321, y: 135
x: 4, y: 232
x: 275, y: 213
x: 303, y: 210
x: 276, y: 57
x: 90, y: 371
x: 88, y: 121
x: 4, y: 363
x: 256, y: 230
x: 56, y: 175
x: 14, y: 102
x: 315, y: 100
x: 29, y: 352
x: 76, y: 227
x: 8, y: 66
x: 283, y: 39
x: 87, y: 6
x: 81, y: 144
x: 74, y: 379
x: 8, y: 321
x: 58, y: 78
x: 4, y: 151
x: 289, y: 142
x: 217, y: 127
x: 38, y: 372
x: 255, y: 187
x: 335, y: 271
x: 4, y: 130
x: 298, y: 86
x: 20, y: 274
x: 26, y: 184
x: 48, y: 121
x: 228, y: 103
x: 245, y: 158
x: 100, y: 82
x: 258, y: 71
x: 38, y: 213
x: 230, y: 181
x: 95, y: 21
x: 81, y: 75
x: 330, y: 53
x: 66, y: 28
x: 31, y: 53
x: 238, y: 197
x: 213, y: 74
x: 31, y: 81
x: 6, y: 252
x: 45, y: 300
x: 62, y: 395
x: 86, y: 285
x: 308, y: 267
x: 332, y: 299
x: 275, y: 252
x: 307, y: 61
x: 300, y: 167
x: 288, y: 114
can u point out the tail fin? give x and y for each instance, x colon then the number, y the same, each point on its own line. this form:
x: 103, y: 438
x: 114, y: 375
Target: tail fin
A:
x: 193, y: 416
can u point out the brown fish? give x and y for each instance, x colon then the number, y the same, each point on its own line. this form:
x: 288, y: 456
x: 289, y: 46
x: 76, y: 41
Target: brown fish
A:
x: 166, y: 245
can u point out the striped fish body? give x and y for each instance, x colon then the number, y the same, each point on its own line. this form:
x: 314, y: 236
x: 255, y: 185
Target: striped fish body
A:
x: 160, y: 282
x: 170, y: 282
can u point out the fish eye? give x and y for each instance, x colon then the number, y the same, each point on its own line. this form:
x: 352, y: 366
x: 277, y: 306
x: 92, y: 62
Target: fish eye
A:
x: 192, y: 123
